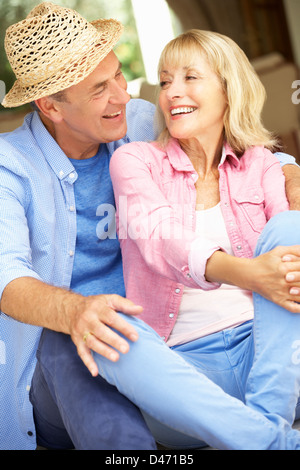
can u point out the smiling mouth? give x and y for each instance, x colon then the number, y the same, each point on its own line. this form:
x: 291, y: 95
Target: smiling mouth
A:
x: 111, y: 116
x: 182, y: 110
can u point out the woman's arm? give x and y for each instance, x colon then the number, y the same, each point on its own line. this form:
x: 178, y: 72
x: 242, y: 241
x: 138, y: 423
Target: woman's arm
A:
x: 265, y: 274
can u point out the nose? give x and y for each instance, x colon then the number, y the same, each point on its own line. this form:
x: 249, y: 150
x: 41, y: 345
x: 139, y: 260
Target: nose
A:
x: 175, y: 90
x: 118, y: 92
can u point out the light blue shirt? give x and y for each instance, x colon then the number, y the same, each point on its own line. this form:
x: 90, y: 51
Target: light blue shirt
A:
x: 38, y: 239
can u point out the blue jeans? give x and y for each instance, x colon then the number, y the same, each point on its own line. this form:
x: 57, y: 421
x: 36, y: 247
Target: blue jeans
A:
x: 72, y: 409
x: 237, y: 389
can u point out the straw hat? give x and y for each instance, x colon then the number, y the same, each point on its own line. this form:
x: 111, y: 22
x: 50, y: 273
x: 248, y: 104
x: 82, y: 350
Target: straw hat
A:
x: 54, y: 48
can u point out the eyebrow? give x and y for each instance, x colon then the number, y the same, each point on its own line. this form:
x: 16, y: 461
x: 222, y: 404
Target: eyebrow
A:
x: 186, y: 67
x: 95, y: 87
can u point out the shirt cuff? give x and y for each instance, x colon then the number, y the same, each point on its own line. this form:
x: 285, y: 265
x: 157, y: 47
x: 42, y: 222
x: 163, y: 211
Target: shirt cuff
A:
x: 201, y: 250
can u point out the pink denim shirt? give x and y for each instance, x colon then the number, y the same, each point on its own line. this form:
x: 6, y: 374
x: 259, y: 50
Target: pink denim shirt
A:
x: 156, y: 199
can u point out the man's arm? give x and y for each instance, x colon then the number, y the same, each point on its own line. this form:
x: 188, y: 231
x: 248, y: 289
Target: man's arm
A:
x: 31, y: 301
x: 292, y: 185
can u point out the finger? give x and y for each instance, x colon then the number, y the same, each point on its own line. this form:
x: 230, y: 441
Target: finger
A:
x: 293, y: 277
x: 295, y: 291
x: 87, y: 358
x: 115, y: 331
x: 103, y: 349
x: 124, y: 305
x: 292, y: 306
x: 287, y: 251
x: 290, y: 258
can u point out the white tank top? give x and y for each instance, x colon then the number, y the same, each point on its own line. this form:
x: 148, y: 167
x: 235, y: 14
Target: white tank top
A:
x: 205, y: 312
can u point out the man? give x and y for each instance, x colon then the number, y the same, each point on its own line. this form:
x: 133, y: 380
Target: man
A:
x: 60, y: 260
x: 46, y: 189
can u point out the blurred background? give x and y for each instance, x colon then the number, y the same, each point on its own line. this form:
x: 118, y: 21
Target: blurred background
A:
x: 267, y: 30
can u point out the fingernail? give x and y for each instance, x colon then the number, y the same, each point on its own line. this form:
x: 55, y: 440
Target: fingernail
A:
x: 290, y: 277
x: 294, y: 291
x: 133, y: 337
x: 124, y: 348
x: 114, y: 356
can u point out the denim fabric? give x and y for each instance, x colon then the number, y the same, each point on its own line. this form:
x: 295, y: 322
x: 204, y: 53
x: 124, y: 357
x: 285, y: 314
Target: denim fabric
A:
x: 74, y: 409
x: 252, y: 404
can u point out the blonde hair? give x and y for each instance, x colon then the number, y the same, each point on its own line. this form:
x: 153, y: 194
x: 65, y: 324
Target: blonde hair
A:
x: 245, y: 93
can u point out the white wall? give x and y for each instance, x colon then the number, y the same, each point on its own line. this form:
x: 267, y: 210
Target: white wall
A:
x: 154, y: 26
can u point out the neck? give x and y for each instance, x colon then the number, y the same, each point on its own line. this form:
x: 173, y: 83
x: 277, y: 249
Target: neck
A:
x: 205, y: 156
x: 71, y: 147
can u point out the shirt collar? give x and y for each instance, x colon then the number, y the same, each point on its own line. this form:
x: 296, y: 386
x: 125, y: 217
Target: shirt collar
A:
x: 180, y: 161
x: 56, y: 158
x: 228, y: 154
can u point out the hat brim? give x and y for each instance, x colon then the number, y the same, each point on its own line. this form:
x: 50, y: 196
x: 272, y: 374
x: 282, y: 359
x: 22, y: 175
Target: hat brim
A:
x: 78, y: 69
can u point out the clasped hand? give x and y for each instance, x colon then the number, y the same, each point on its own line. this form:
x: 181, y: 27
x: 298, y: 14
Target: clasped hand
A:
x: 276, y: 276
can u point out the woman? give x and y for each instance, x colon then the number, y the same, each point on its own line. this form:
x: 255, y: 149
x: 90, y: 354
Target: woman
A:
x: 191, y: 209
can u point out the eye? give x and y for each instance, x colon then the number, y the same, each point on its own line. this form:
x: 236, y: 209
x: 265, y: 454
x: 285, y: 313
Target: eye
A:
x: 99, y: 92
x: 190, y: 77
x: 163, y: 84
x: 119, y: 75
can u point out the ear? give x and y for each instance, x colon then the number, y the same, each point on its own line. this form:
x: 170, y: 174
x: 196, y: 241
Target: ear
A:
x: 50, y: 108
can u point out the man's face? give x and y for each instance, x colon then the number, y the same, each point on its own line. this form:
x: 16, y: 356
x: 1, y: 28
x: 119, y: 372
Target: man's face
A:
x: 95, y: 109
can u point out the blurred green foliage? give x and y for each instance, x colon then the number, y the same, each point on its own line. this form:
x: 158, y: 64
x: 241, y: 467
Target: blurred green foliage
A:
x: 127, y: 50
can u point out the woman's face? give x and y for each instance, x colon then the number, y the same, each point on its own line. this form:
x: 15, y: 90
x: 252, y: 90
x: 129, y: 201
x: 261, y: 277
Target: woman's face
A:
x: 192, y: 100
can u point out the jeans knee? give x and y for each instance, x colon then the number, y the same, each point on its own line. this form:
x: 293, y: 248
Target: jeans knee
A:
x: 282, y: 230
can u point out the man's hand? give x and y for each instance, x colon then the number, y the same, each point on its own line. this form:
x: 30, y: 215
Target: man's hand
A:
x: 96, y: 325
x: 92, y: 322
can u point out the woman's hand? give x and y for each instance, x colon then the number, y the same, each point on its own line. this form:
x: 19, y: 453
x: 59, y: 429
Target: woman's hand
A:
x: 276, y: 276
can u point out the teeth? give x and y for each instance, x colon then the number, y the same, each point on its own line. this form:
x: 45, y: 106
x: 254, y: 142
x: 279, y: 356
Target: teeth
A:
x: 184, y: 110
x: 113, y: 115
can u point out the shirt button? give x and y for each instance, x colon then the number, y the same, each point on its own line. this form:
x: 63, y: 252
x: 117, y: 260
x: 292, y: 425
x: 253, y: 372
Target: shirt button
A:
x: 239, y: 247
x: 72, y: 175
x: 61, y: 173
x: 27, y: 388
x: 72, y: 208
x: 71, y: 253
x: 177, y: 291
x: 171, y: 315
x: 189, y: 275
